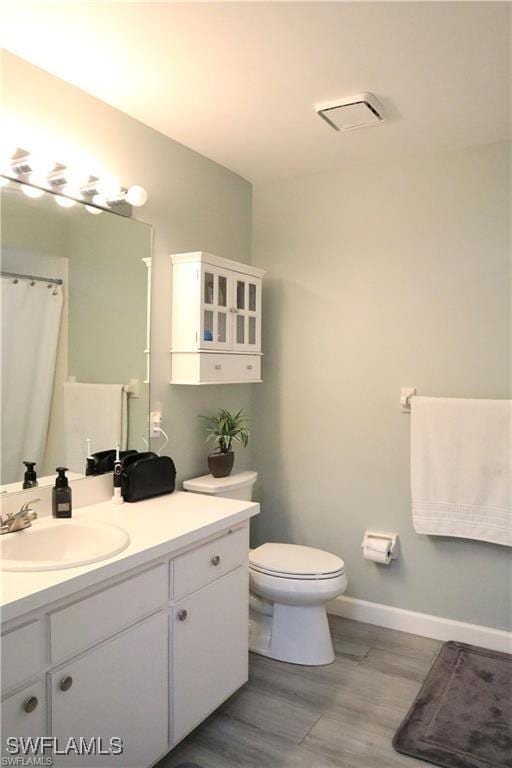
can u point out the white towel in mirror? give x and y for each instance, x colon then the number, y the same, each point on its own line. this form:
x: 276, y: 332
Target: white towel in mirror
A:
x: 95, y: 411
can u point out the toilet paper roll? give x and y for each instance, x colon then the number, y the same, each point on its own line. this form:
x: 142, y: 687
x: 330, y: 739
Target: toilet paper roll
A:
x: 377, y: 549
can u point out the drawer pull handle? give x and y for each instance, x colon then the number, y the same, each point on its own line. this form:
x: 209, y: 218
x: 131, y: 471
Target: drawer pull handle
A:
x: 182, y: 615
x: 249, y: 367
x: 218, y: 367
x: 66, y: 683
x: 215, y: 560
x: 30, y: 704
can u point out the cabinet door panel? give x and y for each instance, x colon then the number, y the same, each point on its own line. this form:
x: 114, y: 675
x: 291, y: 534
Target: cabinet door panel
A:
x: 119, y: 689
x: 17, y: 722
x: 247, y: 306
x: 216, y: 323
x: 210, y: 654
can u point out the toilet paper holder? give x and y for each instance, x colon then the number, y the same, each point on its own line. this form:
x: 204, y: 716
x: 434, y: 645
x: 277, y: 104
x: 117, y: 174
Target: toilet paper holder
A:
x: 392, y: 538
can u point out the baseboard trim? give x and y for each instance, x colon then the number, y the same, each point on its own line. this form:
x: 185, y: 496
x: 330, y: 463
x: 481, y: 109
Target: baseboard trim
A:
x: 424, y: 624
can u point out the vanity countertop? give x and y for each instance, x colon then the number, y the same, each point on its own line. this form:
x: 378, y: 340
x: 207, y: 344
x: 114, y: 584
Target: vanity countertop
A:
x: 157, y: 527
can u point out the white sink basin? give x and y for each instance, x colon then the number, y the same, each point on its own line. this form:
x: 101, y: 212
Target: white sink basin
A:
x: 50, y: 545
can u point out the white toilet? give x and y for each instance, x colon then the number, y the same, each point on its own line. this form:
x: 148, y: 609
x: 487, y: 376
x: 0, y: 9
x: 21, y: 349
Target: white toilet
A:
x: 290, y: 587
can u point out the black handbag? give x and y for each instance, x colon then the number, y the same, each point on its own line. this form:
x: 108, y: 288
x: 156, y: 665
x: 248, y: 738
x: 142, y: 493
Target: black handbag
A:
x: 145, y: 475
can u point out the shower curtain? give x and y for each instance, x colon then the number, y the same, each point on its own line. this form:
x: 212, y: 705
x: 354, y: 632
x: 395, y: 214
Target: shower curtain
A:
x: 30, y: 333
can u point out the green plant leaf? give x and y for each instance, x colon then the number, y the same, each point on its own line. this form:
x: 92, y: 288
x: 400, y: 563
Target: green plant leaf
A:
x: 224, y: 428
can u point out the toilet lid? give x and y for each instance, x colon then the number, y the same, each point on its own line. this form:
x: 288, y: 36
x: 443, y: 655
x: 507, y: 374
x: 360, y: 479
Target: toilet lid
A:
x: 295, y: 560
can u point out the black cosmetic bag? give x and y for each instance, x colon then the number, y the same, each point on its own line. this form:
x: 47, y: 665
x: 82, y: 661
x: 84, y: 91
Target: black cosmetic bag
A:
x: 104, y: 460
x: 145, y: 475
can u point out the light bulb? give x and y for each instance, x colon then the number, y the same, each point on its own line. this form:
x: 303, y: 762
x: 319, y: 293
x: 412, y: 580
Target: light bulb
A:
x: 72, y: 191
x: 37, y: 180
x: 40, y: 163
x: 109, y: 186
x: 100, y: 200
x: 136, y: 196
x: 29, y: 191
x: 76, y: 176
x: 93, y: 210
x: 64, y: 202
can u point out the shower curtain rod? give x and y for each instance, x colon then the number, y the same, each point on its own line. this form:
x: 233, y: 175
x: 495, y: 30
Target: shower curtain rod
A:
x: 18, y: 275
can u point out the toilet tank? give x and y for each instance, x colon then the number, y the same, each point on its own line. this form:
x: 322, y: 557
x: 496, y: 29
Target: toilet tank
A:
x: 236, y: 486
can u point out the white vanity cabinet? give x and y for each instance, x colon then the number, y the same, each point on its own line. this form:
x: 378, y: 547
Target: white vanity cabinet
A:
x: 143, y: 657
x: 216, y: 320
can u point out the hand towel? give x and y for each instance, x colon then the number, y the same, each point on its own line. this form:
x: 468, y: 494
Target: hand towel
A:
x: 461, y: 472
x: 95, y: 411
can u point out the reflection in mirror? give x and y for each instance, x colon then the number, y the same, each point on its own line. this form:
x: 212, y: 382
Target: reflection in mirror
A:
x: 74, y: 335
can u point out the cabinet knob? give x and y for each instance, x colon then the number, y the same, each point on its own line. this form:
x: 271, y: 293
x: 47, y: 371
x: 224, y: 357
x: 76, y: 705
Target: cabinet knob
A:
x: 66, y: 683
x: 215, y: 560
x: 218, y: 367
x: 249, y: 367
x: 30, y: 704
x: 182, y: 615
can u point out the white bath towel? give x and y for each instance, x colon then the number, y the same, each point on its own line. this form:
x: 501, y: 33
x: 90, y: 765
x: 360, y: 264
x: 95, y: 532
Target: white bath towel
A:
x: 461, y: 473
x: 95, y: 411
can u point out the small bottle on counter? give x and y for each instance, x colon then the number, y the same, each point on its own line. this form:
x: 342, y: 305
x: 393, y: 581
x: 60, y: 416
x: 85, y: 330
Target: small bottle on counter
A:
x: 30, y: 477
x: 61, y: 495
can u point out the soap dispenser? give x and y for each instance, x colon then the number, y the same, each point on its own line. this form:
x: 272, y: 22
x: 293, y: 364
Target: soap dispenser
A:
x: 61, y: 494
x: 30, y: 477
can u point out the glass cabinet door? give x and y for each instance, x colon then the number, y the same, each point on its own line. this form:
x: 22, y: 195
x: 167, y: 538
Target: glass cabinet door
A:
x: 215, y: 327
x: 247, y: 314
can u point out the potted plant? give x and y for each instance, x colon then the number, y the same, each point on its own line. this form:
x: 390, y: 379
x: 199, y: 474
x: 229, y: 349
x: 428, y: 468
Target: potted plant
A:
x: 224, y: 428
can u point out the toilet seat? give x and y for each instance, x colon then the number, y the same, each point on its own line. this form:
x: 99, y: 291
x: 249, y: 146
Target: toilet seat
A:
x: 292, y: 561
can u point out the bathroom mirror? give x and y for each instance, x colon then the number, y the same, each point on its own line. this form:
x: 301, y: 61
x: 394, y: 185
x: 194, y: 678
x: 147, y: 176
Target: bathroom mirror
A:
x: 75, y: 333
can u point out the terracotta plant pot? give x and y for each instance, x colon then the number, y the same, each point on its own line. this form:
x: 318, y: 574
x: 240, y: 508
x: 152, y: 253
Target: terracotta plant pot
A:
x: 221, y: 464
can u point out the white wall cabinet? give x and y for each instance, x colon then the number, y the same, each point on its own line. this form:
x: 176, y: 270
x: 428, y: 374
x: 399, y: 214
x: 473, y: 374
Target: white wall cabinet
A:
x: 144, y: 658
x: 216, y: 320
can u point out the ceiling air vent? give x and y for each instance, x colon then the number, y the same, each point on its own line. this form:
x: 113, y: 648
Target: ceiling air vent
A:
x: 353, y: 112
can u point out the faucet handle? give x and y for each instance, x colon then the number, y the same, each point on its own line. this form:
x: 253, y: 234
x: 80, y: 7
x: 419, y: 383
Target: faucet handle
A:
x: 26, y: 507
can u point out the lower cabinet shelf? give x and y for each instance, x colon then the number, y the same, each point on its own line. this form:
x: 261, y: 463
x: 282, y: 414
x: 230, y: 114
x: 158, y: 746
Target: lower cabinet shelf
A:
x: 215, y: 368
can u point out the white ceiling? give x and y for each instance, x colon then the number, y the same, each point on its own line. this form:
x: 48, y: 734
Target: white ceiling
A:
x: 238, y: 81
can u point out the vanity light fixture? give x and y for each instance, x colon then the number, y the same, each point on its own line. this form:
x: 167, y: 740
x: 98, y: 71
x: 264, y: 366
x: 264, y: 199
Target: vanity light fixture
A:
x: 71, y: 182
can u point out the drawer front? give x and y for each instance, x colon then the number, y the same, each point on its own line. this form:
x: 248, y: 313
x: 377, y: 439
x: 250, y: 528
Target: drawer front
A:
x: 24, y: 715
x: 22, y: 654
x: 230, y: 368
x: 85, y: 623
x: 205, y: 564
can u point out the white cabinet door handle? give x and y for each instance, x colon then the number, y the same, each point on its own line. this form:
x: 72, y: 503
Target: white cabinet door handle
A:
x: 218, y: 367
x: 249, y: 367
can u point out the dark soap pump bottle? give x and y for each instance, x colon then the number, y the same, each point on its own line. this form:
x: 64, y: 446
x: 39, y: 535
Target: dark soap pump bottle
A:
x: 61, y: 495
x: 30, y: 477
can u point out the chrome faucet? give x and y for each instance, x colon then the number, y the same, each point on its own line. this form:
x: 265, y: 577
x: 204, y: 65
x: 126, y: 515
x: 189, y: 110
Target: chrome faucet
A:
x: 17, y: 521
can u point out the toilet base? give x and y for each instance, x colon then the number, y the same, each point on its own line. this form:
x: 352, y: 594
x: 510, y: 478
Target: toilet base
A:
x: 292, y: 633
